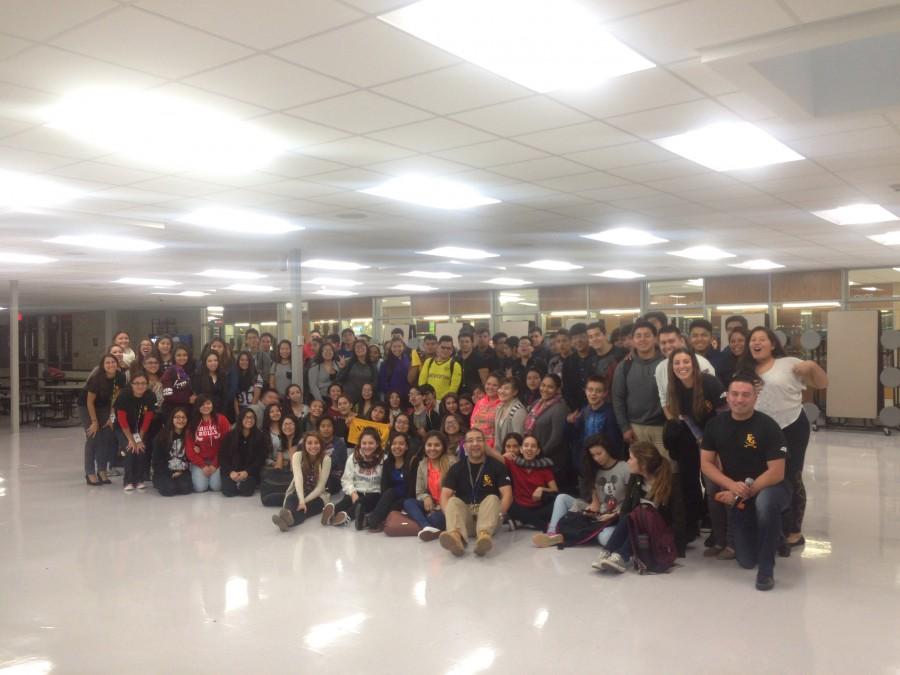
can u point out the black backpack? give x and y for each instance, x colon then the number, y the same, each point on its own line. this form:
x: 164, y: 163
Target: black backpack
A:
x: 578, y: 528
x: 273, y: 485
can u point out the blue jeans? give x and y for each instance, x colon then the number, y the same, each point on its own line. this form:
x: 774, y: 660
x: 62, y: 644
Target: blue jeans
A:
x: 416, y: 510
x: 561, y: 506
x: 757, y: 528
x: 203, y: 483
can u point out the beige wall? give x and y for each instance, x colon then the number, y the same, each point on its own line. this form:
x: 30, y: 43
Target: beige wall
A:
x: 87, y: 339
x: 139, y: 322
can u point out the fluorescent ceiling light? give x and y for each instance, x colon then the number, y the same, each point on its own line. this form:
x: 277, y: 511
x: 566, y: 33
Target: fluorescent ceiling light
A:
x: 107, y: 242
x: 579, y: 312
x: 146, y: 281
x: 184, y: 294
x: 24, y: 259
x: 475, y: 316
x: 552, y: 265
x: 162, y: 130
x: 335, y: 281
x: 799, y: 305
x: 268, y: 323
x: 334, y: 291
x: 618, y: 274
x: 887, y: 239
x: 702, y: 253
x: 528, y: 304
x: 218, y: 273
x: 545, y: 46
x: 626, y: 236
x: 507, y: 281
x: 20, y: 191
x: 242, y: 325
x: 438, y: 317
x: 729, y: 146
x: 636, y: 310
x: 458, y: 252
x: 251, y: 288
x: 241, y: 221
x: 695, y: 282
x: 430, y: 275
x: 740, y: 308
x: 333, y: 265
x: 215, y: 308
x: 758, y: 264
x: 413, y: 287
x: 438, y: 193
x: 870, y: 288
x: 857, y: 214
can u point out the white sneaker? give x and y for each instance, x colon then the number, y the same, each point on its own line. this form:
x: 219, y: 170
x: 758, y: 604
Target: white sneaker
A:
x: 129, y: 487
x: 598, y: 562
x: 140, y: 486
x: 614, y: 563
x: 429, y: 533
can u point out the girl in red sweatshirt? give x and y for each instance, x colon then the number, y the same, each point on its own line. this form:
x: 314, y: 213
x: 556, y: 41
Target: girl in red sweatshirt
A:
x: 207, y: 432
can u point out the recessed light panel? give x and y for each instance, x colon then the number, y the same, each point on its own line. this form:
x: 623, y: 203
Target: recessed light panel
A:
x: 729, y: 146
x: 146, y: 281
x: 430, y: 275
x: 251, y: 288
x: 240, y: 221
x: 165, y: 131
x: 333, y: 265
x: 801, y: 305
x: 857, y: 214
x: 461, y: 253
x: 185, y: 294
x: 20, y: 191
x: 413, y: 287
x: 507, y: 281
x: 758, y: 264
x: 438, y: 193
x: 106, y: 242
x: 702, y: 253
x: 887, y: 239
x: 24, y: 259
x: 626, y: 236
x: 618, y: 274
x: 334, y: 292
x: 335, y: 281
x: 552, y: 265
x: 545, y: 46
x: 219, y: 273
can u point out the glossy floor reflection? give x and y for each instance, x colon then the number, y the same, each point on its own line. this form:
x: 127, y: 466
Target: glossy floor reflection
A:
x: 95, y: 580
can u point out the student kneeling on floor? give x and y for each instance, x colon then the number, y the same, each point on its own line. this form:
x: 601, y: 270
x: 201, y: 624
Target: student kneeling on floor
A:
x: 751, y: 450
x: 476, y: 493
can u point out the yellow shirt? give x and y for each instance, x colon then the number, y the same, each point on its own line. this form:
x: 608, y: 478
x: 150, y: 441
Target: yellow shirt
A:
x: 444, y: 377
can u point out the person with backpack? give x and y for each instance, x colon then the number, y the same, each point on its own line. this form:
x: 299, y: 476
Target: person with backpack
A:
x: 751, y: 450
x: 645, y: 516
x: 443, y: 371
x: 603, y: 483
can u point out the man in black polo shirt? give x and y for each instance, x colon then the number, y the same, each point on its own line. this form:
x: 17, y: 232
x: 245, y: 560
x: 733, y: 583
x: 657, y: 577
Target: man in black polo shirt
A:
x: 752, y: 451
x: 475, y: 495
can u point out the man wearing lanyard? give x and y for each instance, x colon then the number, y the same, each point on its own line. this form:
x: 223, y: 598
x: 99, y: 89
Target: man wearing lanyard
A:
x: 476, y: 493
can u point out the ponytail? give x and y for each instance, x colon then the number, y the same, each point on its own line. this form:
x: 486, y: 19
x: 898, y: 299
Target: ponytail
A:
x: 658, y: 467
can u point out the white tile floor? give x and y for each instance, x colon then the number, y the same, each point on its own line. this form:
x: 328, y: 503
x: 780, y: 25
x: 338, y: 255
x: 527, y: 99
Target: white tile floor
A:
x: 93, y: 580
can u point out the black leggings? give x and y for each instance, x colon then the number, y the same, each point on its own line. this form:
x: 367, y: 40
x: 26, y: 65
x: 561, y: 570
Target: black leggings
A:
x: 313, y: 508
x: 369, y: 501
x: 537, y: 516
x: 796, y: 436
x: 389, y: 501
x: 169, y: 487
x: 245, y: 488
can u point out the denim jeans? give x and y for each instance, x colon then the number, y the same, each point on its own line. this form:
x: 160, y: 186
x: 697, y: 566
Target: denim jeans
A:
x: 416, y: 510
x: 98, y: 451
x: 757, y: 528
x: 203, y: 483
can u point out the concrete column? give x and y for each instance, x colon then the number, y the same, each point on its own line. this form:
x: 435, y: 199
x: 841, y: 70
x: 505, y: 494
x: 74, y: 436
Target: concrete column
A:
x: 296, y: 319
x: 14, y: 356
x: 109, y: 327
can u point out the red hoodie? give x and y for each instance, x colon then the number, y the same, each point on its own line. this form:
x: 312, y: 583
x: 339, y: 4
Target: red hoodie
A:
x: 203, y: 445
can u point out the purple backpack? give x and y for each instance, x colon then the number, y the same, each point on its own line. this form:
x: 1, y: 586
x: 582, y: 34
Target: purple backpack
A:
x: 652, y: 542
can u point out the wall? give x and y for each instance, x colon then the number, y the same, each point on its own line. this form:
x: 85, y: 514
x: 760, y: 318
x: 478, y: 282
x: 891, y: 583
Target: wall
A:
x: 138, y: 323
x: 87, y: 329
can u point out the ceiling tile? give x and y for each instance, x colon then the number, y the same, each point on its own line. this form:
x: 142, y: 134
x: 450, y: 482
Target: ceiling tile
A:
x: 104, y: 173
x: 178, y: 185
x: 816, y: 10
x: 10, y: 45
x: 223, y: 104
x: 644, y: 90
x: 747, y: 106
x: 269, y: 82
x: 541, y: 169
x: 710, y: 180
x: 59, y: 71
x: 679, y: 30
x: 421, y: 164
x: 53, y: 141
x: 360, y: 112
x: 22, y: 104
x: 432, y: 135
x: 575, y: 137
x: 453, y: 89
x: 134, y: 195
x: 608, y: 10
x: 592, y: 180
x: 134, y: 38
x: 674, y: 119
x: 16, y: 159
x: 628, y: 154
x: 522, y: 116
x: 298, y: 189
x: 367, y: 53
x: 296, y: 165
x: 350, y: 179
x: 262, y: 24
x: 701, y: 76
x: 40, y: 19
x: 297, y: 133
x: 10, y: 127
x: 655, y: 171
x: 626, y: 191
x: 491, y: 153
x: 243, y: 198
x: 357, y: 150
x: 851, y: 141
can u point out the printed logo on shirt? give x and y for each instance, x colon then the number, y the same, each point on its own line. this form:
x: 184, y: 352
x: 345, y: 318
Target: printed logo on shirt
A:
x: 487, y: 481
x: 783, y: 449
x: 750, y: 442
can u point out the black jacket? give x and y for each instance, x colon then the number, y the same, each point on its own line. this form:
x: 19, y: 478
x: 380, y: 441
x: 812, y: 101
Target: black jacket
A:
x: 240, y: 453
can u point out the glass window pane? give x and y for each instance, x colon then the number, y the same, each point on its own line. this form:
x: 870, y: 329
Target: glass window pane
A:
x: 873, y: 284
x: 678, y: 293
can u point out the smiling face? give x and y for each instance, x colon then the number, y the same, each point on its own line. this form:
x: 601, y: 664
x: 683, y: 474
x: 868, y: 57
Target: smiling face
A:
x: 700, y: 339
x: 274, y: 414
x: 433, y: 448
x: 244, y: 362
x: 312, y: 446
x: 344, y: 406
x: 401, y: 424
x: 761, y: 347
x: 595, y: 392
x: 248, y: 421
x: 212, y: 362
x: 394, y: 400
x: 367, y: 392
x: 295, y: 394
x: 179, y: 421
x: 506, y: 392
x: 533, y: 380
x: 737, y: 343
x: 530, y: 448
x: 415, y: 397
x: 368, y: 445
x: 465, y: 407
x: 252, y: 340
x: 563, y: 344
x: 217, y: 346
x: 139, y: 385
x: 451, y: 403
x: 288, y: 427
x: 360, y: 350
x: 145, y: 347
x: 669, y: 342
x: 644, y: 341
x: 326, y: 428
x: 397, y: 348
x: 284, y: 351
x: 334, y: 392
x: 597, y: 339
x: 378, y: 413
x: 181, y: 358
x: 399, y: 446
x: 206, y: 408
x: 327, y: 353
x: 512, y: 446
x: 524, y: 350
x: 741, y: 398
x: 117, y: 351
x: 316, y: 408
x: 490, y: 387
x: 122, y: 340
x: 164, y: 346
x: 474, y: 444
x: 151, y: 365
x: 451, y: 425
x: 548, y: 388
x: 683, y: 367
x: 110, y: 366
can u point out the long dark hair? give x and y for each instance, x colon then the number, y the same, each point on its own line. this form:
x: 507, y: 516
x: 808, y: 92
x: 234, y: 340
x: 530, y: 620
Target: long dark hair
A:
x: 675, y: 387
x: 197, y: 417
x: 659, y: 468
x: 309, y: 464
x: 379, y: 449
x: 367, y: 360
x: 246, y: 378
x: 168, y: 430
x: 747, y: 364
x: 98, y: 378
x: 319, y: 358
x: 589, y: 467
x: 278, y: 350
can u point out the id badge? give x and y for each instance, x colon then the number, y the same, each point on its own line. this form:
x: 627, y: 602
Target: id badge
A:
x: 137, y: 437
x: 112, y: 417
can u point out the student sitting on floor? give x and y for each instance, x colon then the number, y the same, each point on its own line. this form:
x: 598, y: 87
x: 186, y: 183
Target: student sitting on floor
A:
x: 425, y: 508
x: 397, y: 479
x: 306, y: 493
x: 242, y: 456
x: 534, y: 486
x: 361, y: 481
x: 171, y: 468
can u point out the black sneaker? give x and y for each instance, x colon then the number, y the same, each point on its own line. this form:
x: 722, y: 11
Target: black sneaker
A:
x: 710, y: 541
x: 765, y: 583
x: 784, y: 550
x: 359, y: 516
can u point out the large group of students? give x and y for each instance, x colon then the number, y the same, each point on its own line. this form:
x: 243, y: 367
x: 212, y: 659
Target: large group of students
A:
x: 633, y: 441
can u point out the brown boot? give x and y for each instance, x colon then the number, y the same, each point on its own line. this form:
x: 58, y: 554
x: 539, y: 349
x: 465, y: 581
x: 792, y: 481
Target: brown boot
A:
x: 483, y: 544
x: 340, y: 518
x: 453, y: 542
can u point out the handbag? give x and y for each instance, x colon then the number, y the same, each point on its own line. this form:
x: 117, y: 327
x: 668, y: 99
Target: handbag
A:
x: 398, y: 524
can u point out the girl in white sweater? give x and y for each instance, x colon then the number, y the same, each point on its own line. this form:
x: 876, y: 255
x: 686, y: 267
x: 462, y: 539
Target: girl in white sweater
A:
x: 306, y: 493
x: 361, y: 482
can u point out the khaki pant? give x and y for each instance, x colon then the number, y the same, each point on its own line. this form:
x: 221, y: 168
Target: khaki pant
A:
x: 652, y: 434
x: 470, y: 519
